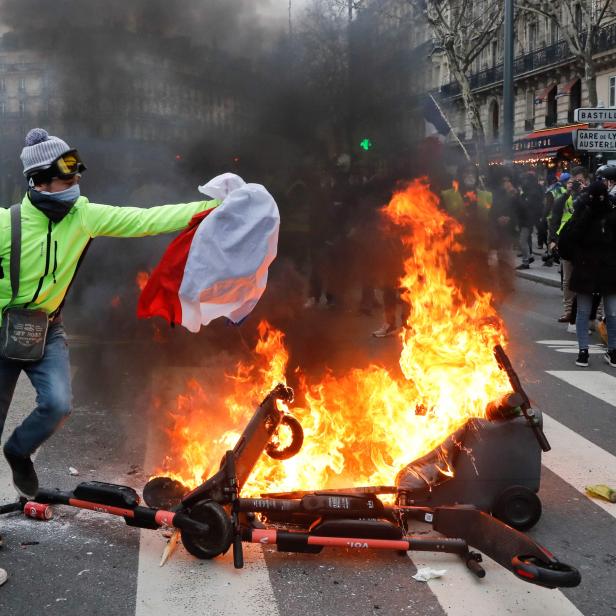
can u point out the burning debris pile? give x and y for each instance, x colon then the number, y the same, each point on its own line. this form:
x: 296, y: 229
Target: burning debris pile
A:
x: 362, y: 427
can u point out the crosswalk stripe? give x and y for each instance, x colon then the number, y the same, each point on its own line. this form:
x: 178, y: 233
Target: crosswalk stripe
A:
x: 575, y: 460
x: 596, y: 383
x: 578, y: 461
x: 186, y: 586
x: 500, y: 592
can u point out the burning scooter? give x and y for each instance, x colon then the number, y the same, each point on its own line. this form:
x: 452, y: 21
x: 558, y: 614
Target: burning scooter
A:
x: 215, y: 517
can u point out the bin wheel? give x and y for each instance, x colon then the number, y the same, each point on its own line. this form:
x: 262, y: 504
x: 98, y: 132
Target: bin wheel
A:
x: 518, y: 507
x: 220, y: 537
x: 297, y: 440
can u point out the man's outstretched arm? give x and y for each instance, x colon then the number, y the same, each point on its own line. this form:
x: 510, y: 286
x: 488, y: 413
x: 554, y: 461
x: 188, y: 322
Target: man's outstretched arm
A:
x: 117, y: 221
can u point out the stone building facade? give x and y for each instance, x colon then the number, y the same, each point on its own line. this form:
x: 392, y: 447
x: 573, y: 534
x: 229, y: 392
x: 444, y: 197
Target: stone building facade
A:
x: 549, y: 83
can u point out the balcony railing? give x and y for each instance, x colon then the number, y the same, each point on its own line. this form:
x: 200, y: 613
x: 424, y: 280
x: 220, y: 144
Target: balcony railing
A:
x: 540, y: 58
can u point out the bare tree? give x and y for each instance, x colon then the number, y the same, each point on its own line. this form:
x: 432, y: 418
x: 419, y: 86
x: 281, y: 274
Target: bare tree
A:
x: 580, y: 22
x: 463, y: 29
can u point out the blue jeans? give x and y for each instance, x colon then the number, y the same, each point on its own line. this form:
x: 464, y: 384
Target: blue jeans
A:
x: 584, y: 306
x: 51, y: 378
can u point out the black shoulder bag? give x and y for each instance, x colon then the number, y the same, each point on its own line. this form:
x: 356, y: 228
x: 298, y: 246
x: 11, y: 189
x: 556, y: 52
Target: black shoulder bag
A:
x: 23, y: 332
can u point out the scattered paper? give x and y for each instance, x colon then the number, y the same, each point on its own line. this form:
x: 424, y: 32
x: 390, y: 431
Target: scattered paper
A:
x: 427, y: 573
x: 72, y: 470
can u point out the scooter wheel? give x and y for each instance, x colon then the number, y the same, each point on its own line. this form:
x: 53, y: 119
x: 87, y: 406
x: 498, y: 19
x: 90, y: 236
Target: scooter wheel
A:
x: 297, y: 434
x: 220, y: 537
x: 547, y: 574
x: 518, y: 507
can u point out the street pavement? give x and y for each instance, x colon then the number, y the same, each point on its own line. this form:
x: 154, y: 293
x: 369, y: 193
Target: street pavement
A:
x: 84, y: 562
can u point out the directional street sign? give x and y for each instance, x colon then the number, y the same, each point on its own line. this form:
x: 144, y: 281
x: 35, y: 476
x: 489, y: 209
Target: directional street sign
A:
x: 595, y: 115
x: 595, y: 139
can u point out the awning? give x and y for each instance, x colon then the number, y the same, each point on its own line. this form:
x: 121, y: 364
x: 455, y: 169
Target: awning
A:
x: 539, y: 154
x: 548, y: 139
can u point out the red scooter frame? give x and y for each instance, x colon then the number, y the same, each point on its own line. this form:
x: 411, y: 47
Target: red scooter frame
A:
x: 213, y: 517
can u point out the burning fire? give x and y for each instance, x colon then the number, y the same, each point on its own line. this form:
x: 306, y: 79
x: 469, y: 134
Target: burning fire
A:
x: 363, y: 427
x: 142, y: 279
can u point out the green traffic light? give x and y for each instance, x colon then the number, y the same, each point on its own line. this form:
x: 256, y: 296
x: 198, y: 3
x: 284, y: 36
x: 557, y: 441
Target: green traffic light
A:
x: 365, y: 144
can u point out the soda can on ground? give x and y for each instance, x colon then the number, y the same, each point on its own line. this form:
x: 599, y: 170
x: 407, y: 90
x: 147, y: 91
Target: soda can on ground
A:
x: 38, y: 511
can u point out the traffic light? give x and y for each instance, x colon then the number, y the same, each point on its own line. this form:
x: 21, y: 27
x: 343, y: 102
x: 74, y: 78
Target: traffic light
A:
x: 365, y: 144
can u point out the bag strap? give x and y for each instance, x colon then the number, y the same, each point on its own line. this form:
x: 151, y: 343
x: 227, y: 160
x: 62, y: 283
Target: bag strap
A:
x: 15, y: 249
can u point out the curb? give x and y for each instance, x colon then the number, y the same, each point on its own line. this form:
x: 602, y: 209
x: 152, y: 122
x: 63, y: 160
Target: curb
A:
x: 541, y: 278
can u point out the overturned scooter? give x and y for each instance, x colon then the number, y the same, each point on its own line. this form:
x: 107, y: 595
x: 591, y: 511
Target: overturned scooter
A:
x: 215, y: 517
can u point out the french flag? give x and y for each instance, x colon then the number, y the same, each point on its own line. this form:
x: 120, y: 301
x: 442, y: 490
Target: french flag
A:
x: 217, y: 266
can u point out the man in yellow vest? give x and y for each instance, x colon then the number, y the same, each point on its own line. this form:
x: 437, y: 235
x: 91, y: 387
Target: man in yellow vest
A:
x: 562, y: 211
x: 471, y: 206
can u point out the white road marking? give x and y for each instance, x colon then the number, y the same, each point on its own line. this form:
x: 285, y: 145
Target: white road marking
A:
x: 460, y: 593
x: 186, y: 586
x: 598, y: 384
x: 571, y: 346
x: 24, y: 400
x: 578, y: 461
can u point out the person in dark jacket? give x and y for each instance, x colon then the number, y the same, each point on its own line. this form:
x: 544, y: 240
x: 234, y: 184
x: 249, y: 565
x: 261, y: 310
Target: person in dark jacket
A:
x: 525, y: 219
x: 588, y: 240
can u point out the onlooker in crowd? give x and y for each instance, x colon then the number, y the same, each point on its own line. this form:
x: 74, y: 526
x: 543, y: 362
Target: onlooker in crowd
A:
x: 588, y: 242
x: 503, y: 232
x: 321, y: 246
x: 388, y: 257
x: 470, y: 205
x: 561, y: 212
x: 607, y: 174
x: 295, y: 208
x: 534, y: 195
x: 554, y: 190
x: 525, y: 219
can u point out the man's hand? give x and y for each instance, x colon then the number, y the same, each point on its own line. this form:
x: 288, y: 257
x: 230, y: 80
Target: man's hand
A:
x: 551, y: 246
x: 503, y: 221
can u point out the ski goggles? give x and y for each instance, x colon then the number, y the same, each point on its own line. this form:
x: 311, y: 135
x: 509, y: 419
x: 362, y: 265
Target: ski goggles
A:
x: 68, y: 165
x: 64, y: 167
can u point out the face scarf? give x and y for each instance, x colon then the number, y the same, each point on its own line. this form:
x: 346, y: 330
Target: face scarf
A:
x: 55, y: 205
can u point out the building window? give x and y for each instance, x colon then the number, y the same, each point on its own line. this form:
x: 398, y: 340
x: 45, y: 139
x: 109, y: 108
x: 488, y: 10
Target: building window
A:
x: 22, y: 85
x: 575, y: 99
x: 529, y: 121
x: 2, y: 108
x: 552, y: 108
x: 554, y: 33
x: 495, y: 120
x: 612, y: 92
x: 2, y: 85
x: 22, y: 108
x: 532, y: 36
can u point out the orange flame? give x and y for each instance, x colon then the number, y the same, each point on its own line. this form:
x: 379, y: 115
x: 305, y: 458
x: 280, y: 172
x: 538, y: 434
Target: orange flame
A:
x: 455, y: 185
x: 142, y: 279
x: 361, y: 428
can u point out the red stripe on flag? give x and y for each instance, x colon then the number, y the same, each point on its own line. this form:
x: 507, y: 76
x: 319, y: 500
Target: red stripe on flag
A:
x: 160, y: 296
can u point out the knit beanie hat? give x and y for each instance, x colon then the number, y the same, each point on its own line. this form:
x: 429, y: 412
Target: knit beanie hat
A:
x: 41, y: 150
